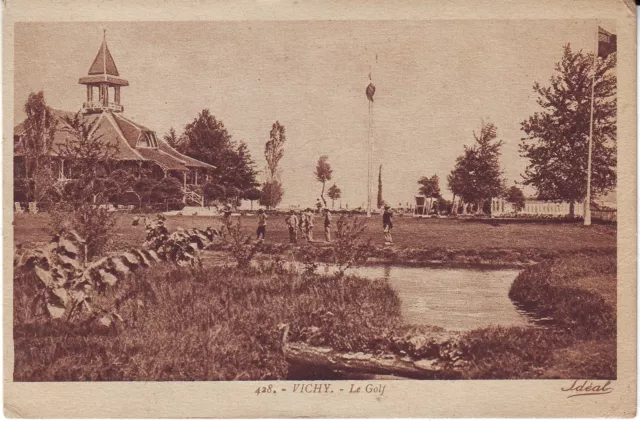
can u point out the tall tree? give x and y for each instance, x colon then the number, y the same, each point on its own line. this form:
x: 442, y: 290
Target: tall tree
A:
x: 206, y: 139
x: 380, y: 201
x: 477, y: 176
x: 244, y: 175
x: 273, y: 153
x: 173, y: 139
x: 214, y: 192
x: 37, y: 142
x: 272, y: 193
x: 323, y: 174
x: 455, y: 183
x: 334, y: 194
x: 90, y: 157
x: 556, y: 140
x: 430, y: 187
x: 515, y: 196
x: 252, y: 194
x: 274, y: 149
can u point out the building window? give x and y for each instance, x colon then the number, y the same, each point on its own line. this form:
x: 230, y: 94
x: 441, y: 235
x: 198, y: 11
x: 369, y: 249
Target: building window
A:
x: 148, y: 140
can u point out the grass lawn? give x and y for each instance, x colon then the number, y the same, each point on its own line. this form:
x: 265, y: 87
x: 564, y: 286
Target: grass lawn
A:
x: 211, y: 324
x: 579, y: 294
x: 217, y: 323
x: 408, y: 232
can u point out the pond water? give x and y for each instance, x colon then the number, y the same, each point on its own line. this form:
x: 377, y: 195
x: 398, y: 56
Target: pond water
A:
x: 457, y: 299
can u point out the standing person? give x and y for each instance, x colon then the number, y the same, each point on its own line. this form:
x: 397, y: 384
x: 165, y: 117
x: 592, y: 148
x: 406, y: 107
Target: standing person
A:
x: 292, y: 222
x: 387, y: 224
x: 226, y: 222
x: 309, y: 225
x: 327, y: 225
x: 262, y: 225
x: 302, y: 220
x: 318, y: 205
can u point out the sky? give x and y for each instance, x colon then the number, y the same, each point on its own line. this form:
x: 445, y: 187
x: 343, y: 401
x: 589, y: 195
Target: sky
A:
x: 436, y: 81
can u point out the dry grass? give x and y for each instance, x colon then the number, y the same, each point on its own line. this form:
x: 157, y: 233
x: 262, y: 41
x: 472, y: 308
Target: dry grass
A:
x: 212, y: 324
x: 407, y: 232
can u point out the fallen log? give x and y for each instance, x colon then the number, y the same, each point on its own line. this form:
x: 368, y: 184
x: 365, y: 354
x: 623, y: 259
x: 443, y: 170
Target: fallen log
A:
x: 297, y: 353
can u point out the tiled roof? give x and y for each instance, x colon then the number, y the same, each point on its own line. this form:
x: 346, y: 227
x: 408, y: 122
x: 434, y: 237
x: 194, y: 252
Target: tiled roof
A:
x: 117, y: 130
x: 105, y: 128
x: 130, y: 130
x: 163, y: 159
x: 104, y: 63
x: 189, y: 162
x: 103, y: 78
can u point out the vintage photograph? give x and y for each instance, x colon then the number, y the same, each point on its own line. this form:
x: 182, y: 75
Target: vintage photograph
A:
x: 315, y: 200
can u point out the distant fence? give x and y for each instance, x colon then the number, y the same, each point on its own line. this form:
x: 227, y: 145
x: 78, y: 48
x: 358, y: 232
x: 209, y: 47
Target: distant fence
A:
x: 604, y: 216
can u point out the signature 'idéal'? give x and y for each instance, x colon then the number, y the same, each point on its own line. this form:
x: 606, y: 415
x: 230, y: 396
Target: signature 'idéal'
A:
x: 587, y: 387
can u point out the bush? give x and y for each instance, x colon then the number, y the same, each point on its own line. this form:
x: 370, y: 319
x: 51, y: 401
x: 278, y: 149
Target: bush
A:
x: 167, y: 188
x: 349, y: 247
x: 242, y: 248
x: 554, y: 289
x: 93, y: 223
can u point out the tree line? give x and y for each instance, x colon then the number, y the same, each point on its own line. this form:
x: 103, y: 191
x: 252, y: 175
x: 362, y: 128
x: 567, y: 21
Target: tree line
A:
x: 555, y: 142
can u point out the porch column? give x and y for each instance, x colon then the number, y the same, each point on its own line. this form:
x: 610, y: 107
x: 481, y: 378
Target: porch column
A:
x: 196, y: 176
x: 61, y: 175
x: 184, y: 178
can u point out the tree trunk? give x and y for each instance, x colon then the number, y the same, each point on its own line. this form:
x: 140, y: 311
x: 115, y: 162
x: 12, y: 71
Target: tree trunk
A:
x: 572, y: 209
x: 304, y: 355
x: 322, y: 195
x: 454, y: 208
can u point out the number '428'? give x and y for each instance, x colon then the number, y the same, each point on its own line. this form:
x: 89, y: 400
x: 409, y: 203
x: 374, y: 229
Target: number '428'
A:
x: 265, y: 389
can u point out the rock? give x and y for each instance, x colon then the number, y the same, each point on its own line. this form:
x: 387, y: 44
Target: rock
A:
x: 431, y: 365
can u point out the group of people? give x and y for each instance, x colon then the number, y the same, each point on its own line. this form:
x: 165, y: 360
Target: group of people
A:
x: 297, y: 221
x: 303, y: 222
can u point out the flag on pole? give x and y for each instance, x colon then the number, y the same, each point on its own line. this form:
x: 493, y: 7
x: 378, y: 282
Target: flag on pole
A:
x: 606, y: 43
x: 371, y: 89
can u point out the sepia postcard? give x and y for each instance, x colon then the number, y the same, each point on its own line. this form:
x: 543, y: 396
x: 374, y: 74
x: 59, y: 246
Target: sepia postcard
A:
x: 333, y: 209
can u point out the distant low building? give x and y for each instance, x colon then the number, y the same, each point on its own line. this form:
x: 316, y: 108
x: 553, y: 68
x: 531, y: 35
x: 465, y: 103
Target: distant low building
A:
x: 536, y: 207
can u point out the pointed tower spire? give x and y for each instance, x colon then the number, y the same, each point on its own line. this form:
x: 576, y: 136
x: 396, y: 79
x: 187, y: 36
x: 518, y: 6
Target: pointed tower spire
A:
x: 103, y: 75
x: 104, y: 64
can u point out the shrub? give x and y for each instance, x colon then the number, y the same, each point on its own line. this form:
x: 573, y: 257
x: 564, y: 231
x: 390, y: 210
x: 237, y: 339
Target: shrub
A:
x: 553, y: 289
x: 167, y: 188
x: 242, y: 248
x: 93, y: 223
x: 349, y: 248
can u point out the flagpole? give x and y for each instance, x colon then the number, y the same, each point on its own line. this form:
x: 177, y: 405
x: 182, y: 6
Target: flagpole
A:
x: 587, y: 202
x: 369, y: 163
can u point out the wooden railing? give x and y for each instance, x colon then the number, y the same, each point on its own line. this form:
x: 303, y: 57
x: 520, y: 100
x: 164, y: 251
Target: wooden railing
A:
x: 192, y: 197
x: 93, y: 106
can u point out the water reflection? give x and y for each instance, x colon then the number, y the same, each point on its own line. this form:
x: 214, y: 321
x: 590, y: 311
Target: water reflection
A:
x: 458, y: 299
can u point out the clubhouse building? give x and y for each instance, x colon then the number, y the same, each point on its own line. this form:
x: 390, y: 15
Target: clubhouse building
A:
x: 139, y: 149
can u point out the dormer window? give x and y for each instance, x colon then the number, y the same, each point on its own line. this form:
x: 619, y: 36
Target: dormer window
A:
x: 148, y: 140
